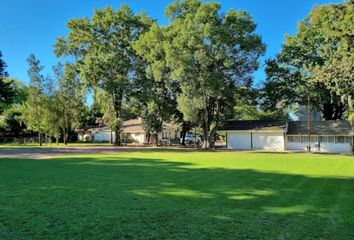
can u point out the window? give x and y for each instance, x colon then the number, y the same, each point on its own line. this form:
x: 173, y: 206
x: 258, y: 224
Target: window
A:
x: 348, y: 140
x: 294, y: 139
x: 327, y: 139
x: 344, y: 139
x: 340, y: 139
x: 314, y: 139
x: 304, y: 139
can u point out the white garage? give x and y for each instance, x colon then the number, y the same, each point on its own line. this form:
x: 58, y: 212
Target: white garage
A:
x: 256, y: 135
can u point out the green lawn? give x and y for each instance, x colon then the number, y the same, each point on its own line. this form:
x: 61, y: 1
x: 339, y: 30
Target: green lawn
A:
x: 53, y: 145
x: 178, y: 195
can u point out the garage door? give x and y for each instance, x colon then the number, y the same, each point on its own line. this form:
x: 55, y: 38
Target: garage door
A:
x: 240, y: 141
x: 268, y: 141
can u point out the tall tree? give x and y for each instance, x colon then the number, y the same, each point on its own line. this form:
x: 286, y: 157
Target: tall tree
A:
x: 335, y: 23
x: 210, y: 54
x: 34, y: 105
x: 69, y: 98
x: 50, y: 123
x: 316, y: 62
x: 7, y: 92
x: 158, y: 92
x: 102, y: 48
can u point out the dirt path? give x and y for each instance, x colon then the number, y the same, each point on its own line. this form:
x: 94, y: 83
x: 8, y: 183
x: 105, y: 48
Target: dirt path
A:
x: 62, y: 151
x: 51, y: 152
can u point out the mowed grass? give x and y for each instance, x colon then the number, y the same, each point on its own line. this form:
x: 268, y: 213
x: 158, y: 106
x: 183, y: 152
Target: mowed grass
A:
x: 178, y: 195
x: 52, y: 145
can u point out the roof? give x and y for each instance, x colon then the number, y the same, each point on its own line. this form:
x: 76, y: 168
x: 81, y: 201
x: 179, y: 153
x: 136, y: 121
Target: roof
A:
x: 338, y: 127
x: 244, y: 125
x: 133, y: 125
x: 129, y: 126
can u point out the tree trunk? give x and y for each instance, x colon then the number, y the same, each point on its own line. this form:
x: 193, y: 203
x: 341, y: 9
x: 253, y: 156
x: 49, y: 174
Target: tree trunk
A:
x: 155, y: 139
x: 65, y: 137
x: 117, y: 101
x: 117, y: 141
x: 206, y: 140
x: 40, y: 138
x: 216, y: 127
x: 333, y: 110
x: 183, y: 133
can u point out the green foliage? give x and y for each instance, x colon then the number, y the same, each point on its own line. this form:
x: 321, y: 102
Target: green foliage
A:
x: 34, y: 106
x: 178, y: 195
x: 102, y: 48
x: 90, y: 114
x: 152, y: 120
x: 105, y: 105
x: 334, y: 25
x: 53, y: 105
x: 317, y: 62
x: 7, y: 93
x: 11, y: 123
x: 157, y: 98
x: 207, y: 54
x: 248, y: 108
x: 69, y: 98
x: 190, y: 106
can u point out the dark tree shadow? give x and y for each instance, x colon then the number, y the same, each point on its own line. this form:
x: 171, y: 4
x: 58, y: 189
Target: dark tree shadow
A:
x: 135, y: 198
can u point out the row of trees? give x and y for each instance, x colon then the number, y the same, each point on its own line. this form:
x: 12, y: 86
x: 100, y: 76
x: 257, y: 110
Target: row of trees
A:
x: 54, y: 103
x: 196, y: 71
x: 49, y: 106
x: 187, y: 71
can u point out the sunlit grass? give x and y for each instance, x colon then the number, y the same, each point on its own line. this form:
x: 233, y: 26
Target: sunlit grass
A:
x: 50, y: 145
x: 178, y: 195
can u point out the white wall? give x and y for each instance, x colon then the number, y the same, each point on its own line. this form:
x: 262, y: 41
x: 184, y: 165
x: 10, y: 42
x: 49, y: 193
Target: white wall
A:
x: 273, y: 141
x: 301, y: 146
x: 239, y: 141
x: 335, y: 147
x: 103, y: 136
x: 138, y: 137
x: 324, y: 147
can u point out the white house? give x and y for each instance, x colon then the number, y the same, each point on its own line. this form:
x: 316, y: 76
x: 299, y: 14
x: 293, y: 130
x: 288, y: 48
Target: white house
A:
x: 132, y: 132
x: 326, y: 136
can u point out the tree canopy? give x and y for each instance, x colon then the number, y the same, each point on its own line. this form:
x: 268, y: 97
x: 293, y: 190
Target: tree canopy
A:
x: 102, y: 48
x: 317, y: 62
x: 7, y: 92
x: 208, y: 54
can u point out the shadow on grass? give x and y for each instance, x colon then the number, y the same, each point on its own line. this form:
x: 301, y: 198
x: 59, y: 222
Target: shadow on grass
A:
x: 135, y: 198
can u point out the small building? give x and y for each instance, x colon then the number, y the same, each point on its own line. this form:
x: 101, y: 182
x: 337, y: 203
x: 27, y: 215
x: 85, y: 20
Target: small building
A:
x: 326, y: 136
x: 132, y: 132
x: 255, y: 135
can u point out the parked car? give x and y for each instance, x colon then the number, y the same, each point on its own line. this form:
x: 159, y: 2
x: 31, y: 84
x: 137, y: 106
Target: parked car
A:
x: 190, y: 139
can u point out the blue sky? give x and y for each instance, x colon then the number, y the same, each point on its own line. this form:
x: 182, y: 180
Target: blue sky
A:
x: 31, y: 26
